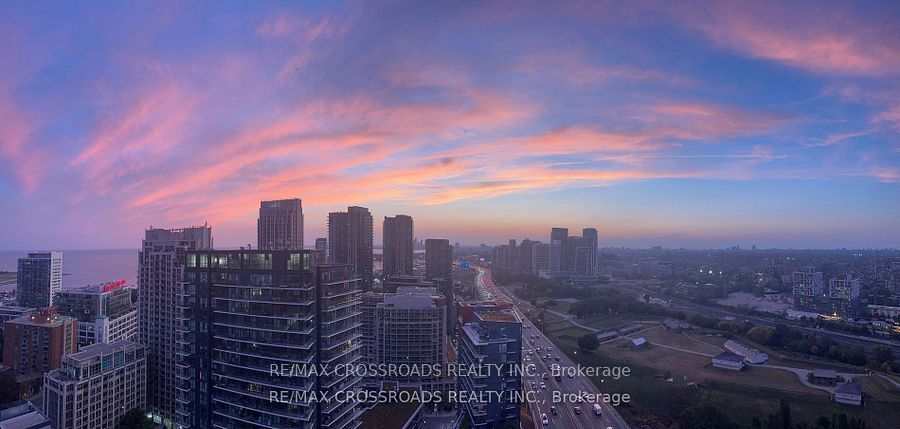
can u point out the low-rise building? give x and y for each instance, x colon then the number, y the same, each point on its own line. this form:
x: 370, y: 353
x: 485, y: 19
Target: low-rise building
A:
x: 883, y: 311
x: 825, y: 377
x: 728, y: 360
x: 848, y: 393
x: 751, y: 354
x: 105, y: 312
x: 493, y: 339
x: 22, y: 415
x: 35, y: 344
x: 95, y: 387
x: 630, y: 329
x: 676, y: 325
x: 10, y: 312
x: 607, y: 336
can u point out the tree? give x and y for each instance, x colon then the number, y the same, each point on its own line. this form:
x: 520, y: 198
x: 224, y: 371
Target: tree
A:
x: 136, y: 419
x: 588, y: 342
x: 760, y: 335
x: 706, y: 416
x: 881, y: 354
x: 785, y: 414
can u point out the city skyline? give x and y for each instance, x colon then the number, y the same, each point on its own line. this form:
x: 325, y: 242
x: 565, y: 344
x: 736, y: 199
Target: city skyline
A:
x: 681, y: 125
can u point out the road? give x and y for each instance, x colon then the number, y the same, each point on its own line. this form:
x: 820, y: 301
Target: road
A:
x: 566, y: 416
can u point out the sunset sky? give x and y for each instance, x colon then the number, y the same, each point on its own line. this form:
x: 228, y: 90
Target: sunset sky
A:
x: 681, y: 124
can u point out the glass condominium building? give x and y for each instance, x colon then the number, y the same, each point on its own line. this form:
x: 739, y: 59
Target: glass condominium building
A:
x: 243, y: 312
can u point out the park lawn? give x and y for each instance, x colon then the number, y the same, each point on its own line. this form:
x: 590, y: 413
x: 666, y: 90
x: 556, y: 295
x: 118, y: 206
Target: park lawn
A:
x: 775, y: 358
x: 714, y: 339
x: 663, y: 336
x: 744, y: 402
x: 570, y: 331
x: 561, y: 306
x: 878, y: 388
x: 653, y: 399
x: 649, y: 394
x: 687, y: 367
x: 609, y: 322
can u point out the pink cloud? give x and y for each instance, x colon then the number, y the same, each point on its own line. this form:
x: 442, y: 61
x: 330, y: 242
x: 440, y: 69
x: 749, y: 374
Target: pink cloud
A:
x: 829, y: 41
x: 708, y: 121
x: 26, y: 161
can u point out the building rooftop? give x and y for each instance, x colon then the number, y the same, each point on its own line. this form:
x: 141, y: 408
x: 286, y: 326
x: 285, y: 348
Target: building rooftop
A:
x: 41, y: 320
x: 849, y: 389
x: 499, y: 316
x: 824, y: 373
x: 729, y: 356
x: 416, y: 289
x: 26, y: 421
x: 21, y: 415
x: 388, y: 415
x: 409, y: 300
x: 99, y: 349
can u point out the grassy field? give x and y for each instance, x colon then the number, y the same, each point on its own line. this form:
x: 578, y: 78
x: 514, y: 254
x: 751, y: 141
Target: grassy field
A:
x: 662, y: 336
x: 568, y: 330
x: 878, y: 388
x: 749, y: 393
x: 712, y: 338
x: 686, y: 367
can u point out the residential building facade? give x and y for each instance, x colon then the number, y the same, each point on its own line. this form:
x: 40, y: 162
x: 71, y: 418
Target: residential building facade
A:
x: 280, y: 225
x: 104, y: 312
x: 38, y: 279
x: 244, y: 311
x: 350, y: 240
x: 397, y: 241
x: 491, y: 337
x: 438, y: 258
x: 97, y: 386
x: 160, y: 269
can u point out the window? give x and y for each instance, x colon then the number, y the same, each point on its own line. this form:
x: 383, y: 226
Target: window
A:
x: 294, y: 263
x: 261, y: 261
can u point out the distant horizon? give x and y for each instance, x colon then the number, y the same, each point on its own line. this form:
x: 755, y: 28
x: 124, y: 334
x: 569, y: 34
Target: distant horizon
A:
x: 518, y: 241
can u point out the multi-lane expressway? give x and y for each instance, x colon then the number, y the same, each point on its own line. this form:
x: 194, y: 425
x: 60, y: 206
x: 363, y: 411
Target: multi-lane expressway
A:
x: 568, y: 388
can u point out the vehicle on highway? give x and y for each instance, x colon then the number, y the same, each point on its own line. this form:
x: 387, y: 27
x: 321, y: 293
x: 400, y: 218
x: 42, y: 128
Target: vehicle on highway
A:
x: 598, y: 410
x: 545, y: 420
x: 553, y: 410
x: 545, y: 376
x: 543, y: 385
x: 557, y: 358
x: 533, y: 385
x: 577, y: 409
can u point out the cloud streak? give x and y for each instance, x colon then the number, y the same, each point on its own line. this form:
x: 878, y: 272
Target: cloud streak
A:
x: 187, y: 116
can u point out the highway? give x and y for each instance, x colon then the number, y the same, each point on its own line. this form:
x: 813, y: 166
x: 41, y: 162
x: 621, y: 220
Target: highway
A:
x: 566, y: 416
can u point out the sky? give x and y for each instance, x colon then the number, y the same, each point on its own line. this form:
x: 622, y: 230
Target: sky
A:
x: 680, y: 124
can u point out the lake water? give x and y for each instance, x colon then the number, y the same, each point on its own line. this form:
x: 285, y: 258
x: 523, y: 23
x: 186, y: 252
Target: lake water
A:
x: 85, y: 266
